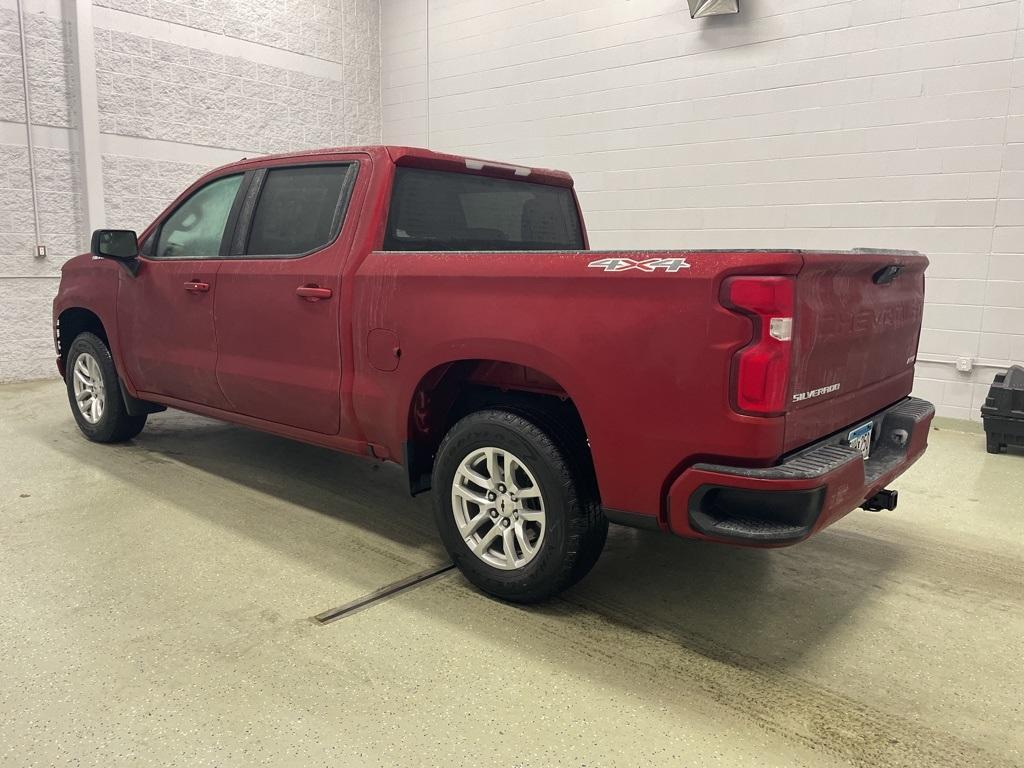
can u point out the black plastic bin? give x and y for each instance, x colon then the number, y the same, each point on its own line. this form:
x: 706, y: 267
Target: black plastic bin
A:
x: 1003, y: 411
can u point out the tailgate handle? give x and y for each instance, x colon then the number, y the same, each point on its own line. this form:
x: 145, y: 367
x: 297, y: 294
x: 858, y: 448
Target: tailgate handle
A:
x: 886, y: 275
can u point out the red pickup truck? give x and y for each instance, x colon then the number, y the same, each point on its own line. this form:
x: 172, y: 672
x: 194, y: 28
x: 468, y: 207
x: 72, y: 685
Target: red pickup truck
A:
x: 445, y: 313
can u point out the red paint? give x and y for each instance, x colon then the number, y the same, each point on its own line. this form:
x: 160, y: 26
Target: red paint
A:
x: 165, y: 329
x: 647, y: 358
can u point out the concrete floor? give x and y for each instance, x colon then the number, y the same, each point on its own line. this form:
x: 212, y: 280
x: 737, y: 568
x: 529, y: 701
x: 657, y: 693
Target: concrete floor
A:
x: 157, y: 600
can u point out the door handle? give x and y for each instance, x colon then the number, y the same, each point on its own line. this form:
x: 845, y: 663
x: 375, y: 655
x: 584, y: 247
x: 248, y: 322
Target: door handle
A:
x: 196, y: 286
x: 313, y: 292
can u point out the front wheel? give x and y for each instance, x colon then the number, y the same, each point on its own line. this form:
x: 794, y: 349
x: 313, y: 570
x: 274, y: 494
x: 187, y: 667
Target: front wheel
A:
x: 517, y: 517
x: 95, y: 393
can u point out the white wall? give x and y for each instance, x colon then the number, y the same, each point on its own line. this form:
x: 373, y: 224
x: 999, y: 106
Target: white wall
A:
x: 179, y: 87
x: 825, y: 125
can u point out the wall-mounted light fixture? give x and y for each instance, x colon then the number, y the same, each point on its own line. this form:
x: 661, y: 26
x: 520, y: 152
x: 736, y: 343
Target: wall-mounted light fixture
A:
x: 702, y: 8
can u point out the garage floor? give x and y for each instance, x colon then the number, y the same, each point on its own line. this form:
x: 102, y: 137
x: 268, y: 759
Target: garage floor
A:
x: 157, y: 600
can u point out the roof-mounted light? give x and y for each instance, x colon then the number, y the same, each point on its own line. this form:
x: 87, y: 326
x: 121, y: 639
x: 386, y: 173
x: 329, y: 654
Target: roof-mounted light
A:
x: 701, y: 8
x: 479, y: 165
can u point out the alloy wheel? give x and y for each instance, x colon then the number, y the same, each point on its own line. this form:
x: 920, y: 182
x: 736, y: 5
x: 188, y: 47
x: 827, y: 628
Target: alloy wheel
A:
x: 498, y: 508
x: 90, y: 393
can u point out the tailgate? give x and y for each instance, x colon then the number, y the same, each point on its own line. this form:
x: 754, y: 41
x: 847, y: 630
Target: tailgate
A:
x: 856, y: 329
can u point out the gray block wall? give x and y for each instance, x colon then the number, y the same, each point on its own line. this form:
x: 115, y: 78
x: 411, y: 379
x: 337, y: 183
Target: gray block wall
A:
x: 225, y: 79
x: 139, y: 188
x: 27, y: 284
x: 825, y: 125
x: 49, y: 67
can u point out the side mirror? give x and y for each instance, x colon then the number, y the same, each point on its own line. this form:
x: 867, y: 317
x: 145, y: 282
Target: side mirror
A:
x: 121, y: 245
x: 118, y: 244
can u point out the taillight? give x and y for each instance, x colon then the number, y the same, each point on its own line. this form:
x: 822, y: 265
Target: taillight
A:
x: 761, y: 369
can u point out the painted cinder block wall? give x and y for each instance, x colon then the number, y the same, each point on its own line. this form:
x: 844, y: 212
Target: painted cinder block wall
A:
x: 27, y: 284
x: 180, y: 87
x: 808, y: 123
x: 826, y: 124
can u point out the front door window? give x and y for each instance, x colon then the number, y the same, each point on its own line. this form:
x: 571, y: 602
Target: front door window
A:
x: 196, y: 229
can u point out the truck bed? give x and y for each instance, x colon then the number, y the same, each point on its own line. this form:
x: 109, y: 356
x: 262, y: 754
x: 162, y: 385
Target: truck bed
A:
x: 643, y: 346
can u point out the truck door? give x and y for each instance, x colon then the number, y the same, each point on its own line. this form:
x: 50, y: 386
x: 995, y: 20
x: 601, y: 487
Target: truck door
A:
x: 165, y: 312
x: 279, y: 295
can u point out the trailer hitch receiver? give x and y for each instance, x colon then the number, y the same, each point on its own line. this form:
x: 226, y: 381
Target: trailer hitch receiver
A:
x: 884, y: 499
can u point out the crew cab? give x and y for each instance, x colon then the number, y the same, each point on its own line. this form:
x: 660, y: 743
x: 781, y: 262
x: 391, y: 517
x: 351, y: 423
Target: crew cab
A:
x: 446, y: 313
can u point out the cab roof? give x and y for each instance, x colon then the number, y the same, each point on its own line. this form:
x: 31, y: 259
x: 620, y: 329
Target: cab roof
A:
x: 420, y: 158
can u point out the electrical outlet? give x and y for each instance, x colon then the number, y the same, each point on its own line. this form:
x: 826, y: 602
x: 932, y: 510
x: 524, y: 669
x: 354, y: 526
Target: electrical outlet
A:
x: 964, y: 364
x: 41, y: 251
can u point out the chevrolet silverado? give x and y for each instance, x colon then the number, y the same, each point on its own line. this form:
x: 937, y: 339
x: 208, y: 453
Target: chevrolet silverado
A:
x: 447, y: 314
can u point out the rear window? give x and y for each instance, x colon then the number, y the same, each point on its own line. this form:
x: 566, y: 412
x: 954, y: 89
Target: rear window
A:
x: 442, y: 211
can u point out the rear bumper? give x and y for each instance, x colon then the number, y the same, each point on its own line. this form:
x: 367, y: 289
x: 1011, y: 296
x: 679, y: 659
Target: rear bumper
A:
x: 813, y: 488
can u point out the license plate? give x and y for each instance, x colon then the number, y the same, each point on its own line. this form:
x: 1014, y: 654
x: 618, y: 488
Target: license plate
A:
x: 860, y: 439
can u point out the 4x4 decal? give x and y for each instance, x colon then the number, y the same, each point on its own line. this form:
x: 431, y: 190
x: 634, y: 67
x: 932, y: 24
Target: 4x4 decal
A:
x: 622, y: 264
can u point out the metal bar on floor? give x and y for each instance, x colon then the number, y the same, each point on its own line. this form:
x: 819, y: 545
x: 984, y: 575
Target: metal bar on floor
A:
x: 383, y: 593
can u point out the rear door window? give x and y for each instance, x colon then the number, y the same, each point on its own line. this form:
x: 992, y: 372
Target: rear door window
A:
x: 444, y: 211
x: 300, y: 209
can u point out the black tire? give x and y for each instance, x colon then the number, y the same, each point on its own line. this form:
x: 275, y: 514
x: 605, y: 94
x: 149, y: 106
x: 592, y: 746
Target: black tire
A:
x: 575, y: 529
x: 114, y: 425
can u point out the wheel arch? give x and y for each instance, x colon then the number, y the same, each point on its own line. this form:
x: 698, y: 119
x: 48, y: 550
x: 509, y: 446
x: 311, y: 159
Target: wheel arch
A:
x: 73, y: 321
x: 454, y: 389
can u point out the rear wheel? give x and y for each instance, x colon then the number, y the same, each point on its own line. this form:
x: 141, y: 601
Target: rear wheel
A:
x: 518, y: 519
x: 95, y: 393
